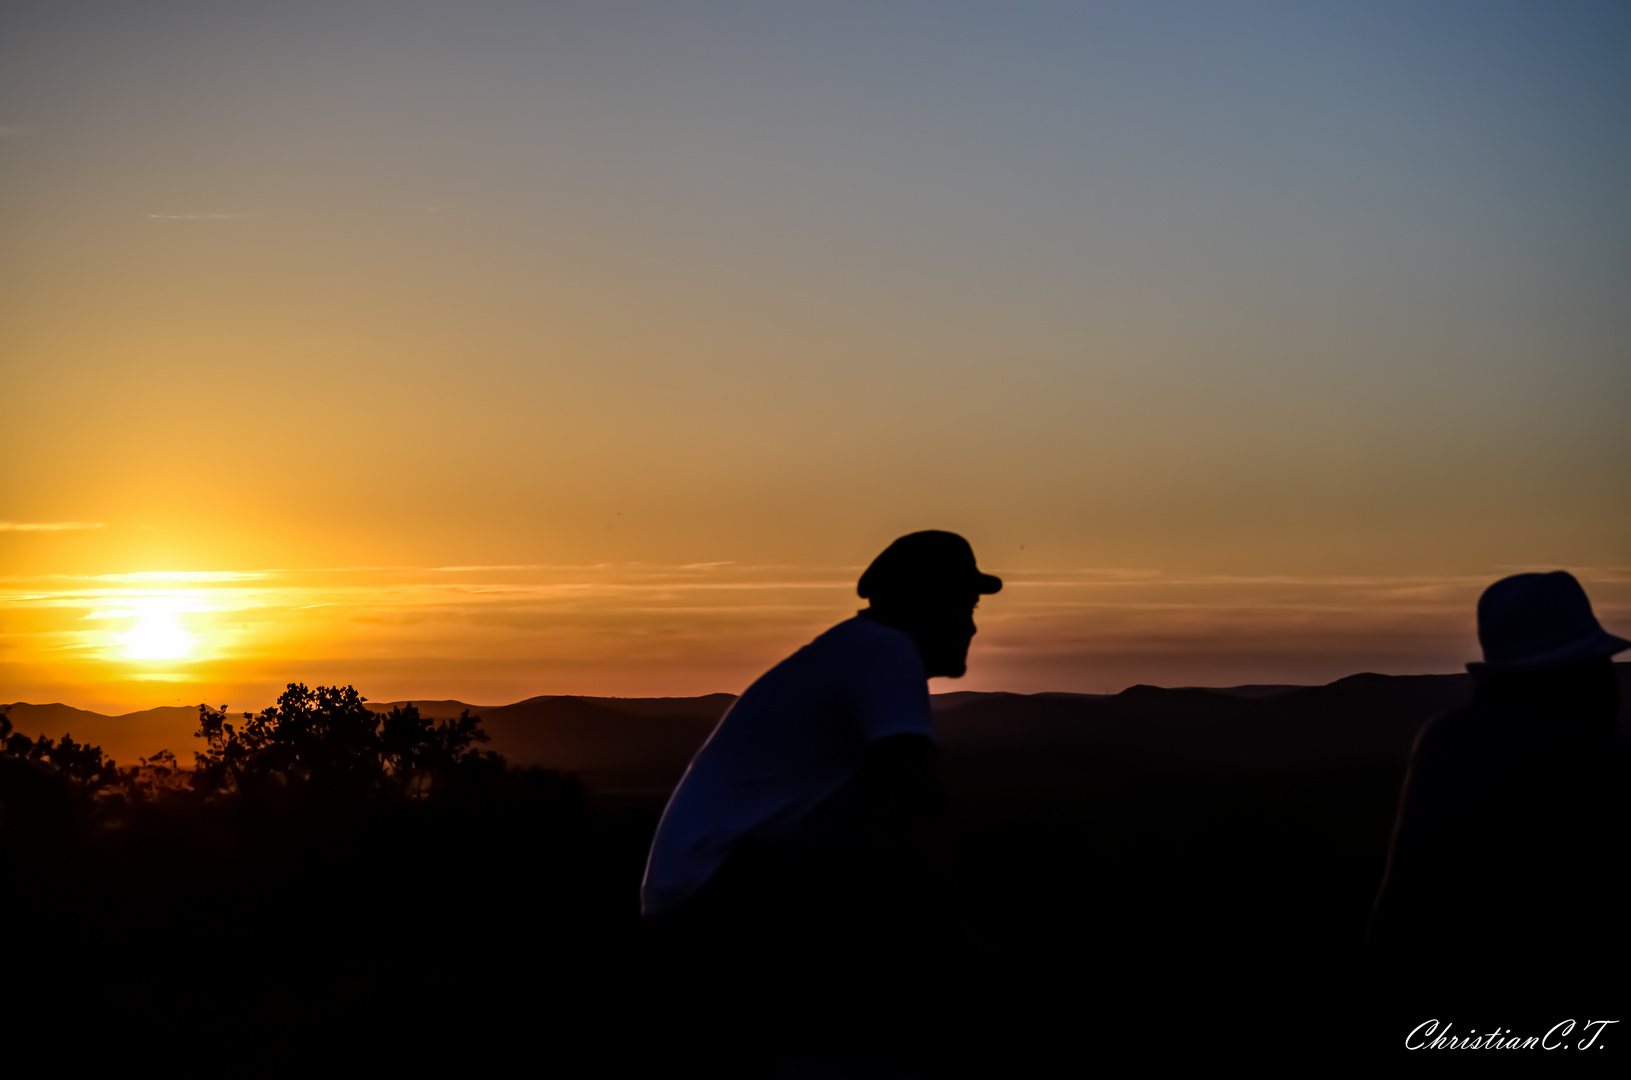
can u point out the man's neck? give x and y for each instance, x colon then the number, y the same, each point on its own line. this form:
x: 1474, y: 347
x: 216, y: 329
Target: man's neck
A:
x: 928, y: 631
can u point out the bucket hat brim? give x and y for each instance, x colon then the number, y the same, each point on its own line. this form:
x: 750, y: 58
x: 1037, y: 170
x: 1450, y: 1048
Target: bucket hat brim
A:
x: 1592, y: 646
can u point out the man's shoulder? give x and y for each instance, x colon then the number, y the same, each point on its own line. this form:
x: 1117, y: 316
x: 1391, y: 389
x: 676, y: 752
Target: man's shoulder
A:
x: 862, y: 628
x: 856, y: 657
x: 1480, y: 740
x: 859, y: 638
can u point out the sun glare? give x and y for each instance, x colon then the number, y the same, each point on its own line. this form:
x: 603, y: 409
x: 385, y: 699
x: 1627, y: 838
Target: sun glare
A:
x: 157, y: 634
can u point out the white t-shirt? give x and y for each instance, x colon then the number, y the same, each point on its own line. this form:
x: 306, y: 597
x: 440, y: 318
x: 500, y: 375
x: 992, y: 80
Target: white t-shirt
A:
x: 789, y: 743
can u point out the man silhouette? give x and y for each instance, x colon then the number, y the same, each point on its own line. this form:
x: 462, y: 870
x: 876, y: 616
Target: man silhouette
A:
x: 1506, y: 879
x: 793, y: 873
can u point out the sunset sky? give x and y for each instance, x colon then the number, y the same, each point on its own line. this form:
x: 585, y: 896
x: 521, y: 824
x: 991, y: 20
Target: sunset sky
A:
x: 484, y: 350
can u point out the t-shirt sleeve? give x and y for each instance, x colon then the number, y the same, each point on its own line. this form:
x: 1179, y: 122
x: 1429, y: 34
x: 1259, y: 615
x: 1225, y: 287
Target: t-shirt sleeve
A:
x: 891, y: 692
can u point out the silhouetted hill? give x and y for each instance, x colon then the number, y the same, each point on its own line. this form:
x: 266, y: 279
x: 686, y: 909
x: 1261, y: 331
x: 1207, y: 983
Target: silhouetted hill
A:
x: 1362, y: 721
x: 446, y: 709
x: 642, y: 743
x: 1356, y: 720
x: 123, y: 738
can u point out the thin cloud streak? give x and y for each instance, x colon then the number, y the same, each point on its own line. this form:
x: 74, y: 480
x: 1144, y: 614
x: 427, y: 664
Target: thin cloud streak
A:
x: 201, y: 217
x: 505, y: 632
x: 1131, y: 590
x: 49, y: 526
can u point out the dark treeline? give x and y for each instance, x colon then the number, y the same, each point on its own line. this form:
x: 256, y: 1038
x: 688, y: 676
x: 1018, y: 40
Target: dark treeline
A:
x: 325, y: 880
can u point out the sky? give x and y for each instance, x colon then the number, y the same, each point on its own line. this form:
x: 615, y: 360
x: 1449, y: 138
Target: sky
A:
x: 483, y: 350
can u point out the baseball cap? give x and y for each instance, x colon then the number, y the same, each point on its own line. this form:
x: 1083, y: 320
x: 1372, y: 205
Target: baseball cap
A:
x: 925, y: 565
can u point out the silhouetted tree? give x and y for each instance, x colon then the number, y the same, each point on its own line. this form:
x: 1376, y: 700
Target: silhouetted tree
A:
x: 329, y: 742
x: 79, y: 767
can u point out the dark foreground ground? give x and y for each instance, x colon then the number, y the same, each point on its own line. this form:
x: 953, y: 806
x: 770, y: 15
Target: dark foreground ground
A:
x: 1152, y: 878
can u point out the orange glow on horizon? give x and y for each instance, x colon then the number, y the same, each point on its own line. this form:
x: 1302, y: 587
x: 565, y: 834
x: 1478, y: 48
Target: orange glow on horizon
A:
x: 493, y: 634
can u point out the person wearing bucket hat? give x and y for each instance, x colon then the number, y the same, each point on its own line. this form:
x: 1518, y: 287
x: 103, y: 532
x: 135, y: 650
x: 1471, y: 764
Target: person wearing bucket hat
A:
x: 1507, y: 861
x: 801, y: 844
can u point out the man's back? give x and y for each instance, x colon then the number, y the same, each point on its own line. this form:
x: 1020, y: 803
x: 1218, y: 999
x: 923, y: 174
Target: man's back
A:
x: 789, y: 745
x: 1500, y: 835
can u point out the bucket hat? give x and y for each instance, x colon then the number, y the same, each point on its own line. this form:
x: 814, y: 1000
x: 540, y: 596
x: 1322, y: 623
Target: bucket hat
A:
x: 1539, y: 622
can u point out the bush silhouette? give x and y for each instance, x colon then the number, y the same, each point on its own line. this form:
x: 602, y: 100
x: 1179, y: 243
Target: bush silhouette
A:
x: 77, y: 766
x: 328, y: 742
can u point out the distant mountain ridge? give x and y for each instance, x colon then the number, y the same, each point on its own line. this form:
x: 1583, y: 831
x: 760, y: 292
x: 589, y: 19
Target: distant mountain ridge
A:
x: 1364, y: 720
x: 125, y: 738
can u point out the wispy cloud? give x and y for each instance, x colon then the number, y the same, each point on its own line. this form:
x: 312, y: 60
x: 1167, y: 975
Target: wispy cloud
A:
x: 507, y: 631
x: 186, y: 575
x: 47, y: 526
x: 8, y: 131
x: 114, y: 613
x: 200, y: 217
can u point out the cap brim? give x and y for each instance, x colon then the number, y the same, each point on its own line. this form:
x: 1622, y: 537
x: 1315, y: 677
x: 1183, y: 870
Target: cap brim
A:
x: 986, y: 584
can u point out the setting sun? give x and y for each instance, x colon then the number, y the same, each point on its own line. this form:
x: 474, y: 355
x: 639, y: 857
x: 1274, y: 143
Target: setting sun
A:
x: 157, y: 634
